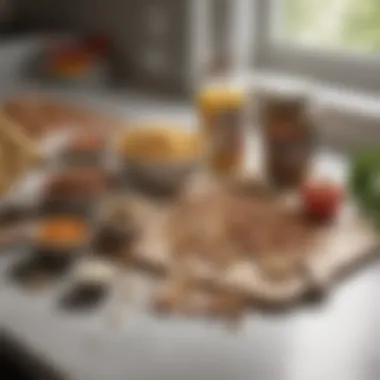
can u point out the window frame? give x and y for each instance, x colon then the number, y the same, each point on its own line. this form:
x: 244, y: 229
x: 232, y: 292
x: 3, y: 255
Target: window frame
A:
x: 339, y: 68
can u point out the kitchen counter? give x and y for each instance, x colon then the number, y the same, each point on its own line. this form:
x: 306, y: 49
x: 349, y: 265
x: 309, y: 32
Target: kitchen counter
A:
x: 337, y: 340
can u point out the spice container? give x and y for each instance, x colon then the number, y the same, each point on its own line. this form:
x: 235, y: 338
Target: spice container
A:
x: 158, y: 159
x: 73, y: 191
x: 12, y: 213
x: 288, y: 136
x: 85, y: 149
x: 221, y: 113
x: 61, y: 233
x: 116, y: 230
x: 57, y: 242
x: 38, y: 271
x: 119, y: 223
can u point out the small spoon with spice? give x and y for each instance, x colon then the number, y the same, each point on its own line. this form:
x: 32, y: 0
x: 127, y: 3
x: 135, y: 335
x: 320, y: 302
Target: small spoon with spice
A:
x: 90, y: 285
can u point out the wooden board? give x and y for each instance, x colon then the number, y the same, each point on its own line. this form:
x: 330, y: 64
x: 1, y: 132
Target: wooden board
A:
x: 337, y: 249
x: 26, y: 122
x: 38, y: 115
x: 19, y: 152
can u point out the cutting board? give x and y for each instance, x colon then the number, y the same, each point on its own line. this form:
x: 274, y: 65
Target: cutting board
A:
x: 338, y: 249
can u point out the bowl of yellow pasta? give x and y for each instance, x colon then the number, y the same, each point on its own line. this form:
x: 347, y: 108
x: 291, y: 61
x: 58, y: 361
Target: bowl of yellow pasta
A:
x: 159, y: 158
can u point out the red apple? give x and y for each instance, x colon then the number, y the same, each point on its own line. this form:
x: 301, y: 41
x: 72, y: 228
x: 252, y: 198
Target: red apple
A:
x: 321, y: 199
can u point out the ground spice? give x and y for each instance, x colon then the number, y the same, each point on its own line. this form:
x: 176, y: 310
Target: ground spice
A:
x: 62, y: 231
x: 78, y: 182
x: 158, y: 144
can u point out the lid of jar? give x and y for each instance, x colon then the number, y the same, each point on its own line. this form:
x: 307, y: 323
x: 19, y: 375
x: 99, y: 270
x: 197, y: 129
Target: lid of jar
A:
x: 220, y: 95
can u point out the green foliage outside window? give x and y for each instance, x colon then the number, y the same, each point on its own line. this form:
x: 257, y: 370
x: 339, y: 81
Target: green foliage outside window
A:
x: 347, y: 24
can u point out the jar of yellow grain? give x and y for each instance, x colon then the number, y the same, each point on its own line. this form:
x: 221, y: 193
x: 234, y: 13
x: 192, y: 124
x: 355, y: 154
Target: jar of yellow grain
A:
x: 221, y: 110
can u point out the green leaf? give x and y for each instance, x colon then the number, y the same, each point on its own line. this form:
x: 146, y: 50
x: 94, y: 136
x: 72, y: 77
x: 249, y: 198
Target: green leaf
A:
x: 365, y: 182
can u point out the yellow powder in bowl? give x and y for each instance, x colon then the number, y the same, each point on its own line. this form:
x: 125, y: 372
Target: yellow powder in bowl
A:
x: 157, y: 144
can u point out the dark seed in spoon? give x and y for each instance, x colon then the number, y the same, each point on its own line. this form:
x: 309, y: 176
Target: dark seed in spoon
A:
x: 84, y: 296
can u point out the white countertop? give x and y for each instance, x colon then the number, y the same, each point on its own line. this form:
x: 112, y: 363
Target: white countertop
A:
x: 335, y: 341
x: 338, y: 340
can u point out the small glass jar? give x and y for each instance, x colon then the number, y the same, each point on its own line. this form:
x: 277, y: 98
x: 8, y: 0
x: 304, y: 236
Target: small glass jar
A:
x: 221, y: 112
x: 288, y: 137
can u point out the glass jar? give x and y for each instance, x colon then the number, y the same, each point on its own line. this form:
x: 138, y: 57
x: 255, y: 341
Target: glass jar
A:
x: 288, y: 137
x: 221, y: 113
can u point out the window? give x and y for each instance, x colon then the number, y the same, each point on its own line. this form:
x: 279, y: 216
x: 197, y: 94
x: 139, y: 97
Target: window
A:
x: 333, y: 41
x: 335, y: 24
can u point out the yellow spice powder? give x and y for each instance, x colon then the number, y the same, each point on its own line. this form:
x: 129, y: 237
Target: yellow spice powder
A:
x: 160, y: 143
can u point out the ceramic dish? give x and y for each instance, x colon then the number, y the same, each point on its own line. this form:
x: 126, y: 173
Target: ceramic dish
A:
x: 158, y: 158
x: 85, y: 149
x: 60, y: 235
x: 73, y: 191
x: 157, y: 178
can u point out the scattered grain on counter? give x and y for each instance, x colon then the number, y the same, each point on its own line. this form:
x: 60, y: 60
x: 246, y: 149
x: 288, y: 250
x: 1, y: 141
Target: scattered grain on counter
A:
x: 222, y: 229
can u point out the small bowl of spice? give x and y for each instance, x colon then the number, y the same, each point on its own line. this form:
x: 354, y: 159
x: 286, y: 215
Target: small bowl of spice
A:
x: 74, y: 190
x: 119, y: 222
x: 58, y: 238
x: 159, y: 158
x: 62, y: 231
x: 85, y: 149
x: 91, y: 281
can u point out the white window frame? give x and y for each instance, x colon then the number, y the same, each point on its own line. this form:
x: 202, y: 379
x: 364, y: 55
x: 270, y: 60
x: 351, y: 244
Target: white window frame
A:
x: 332, y: 67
